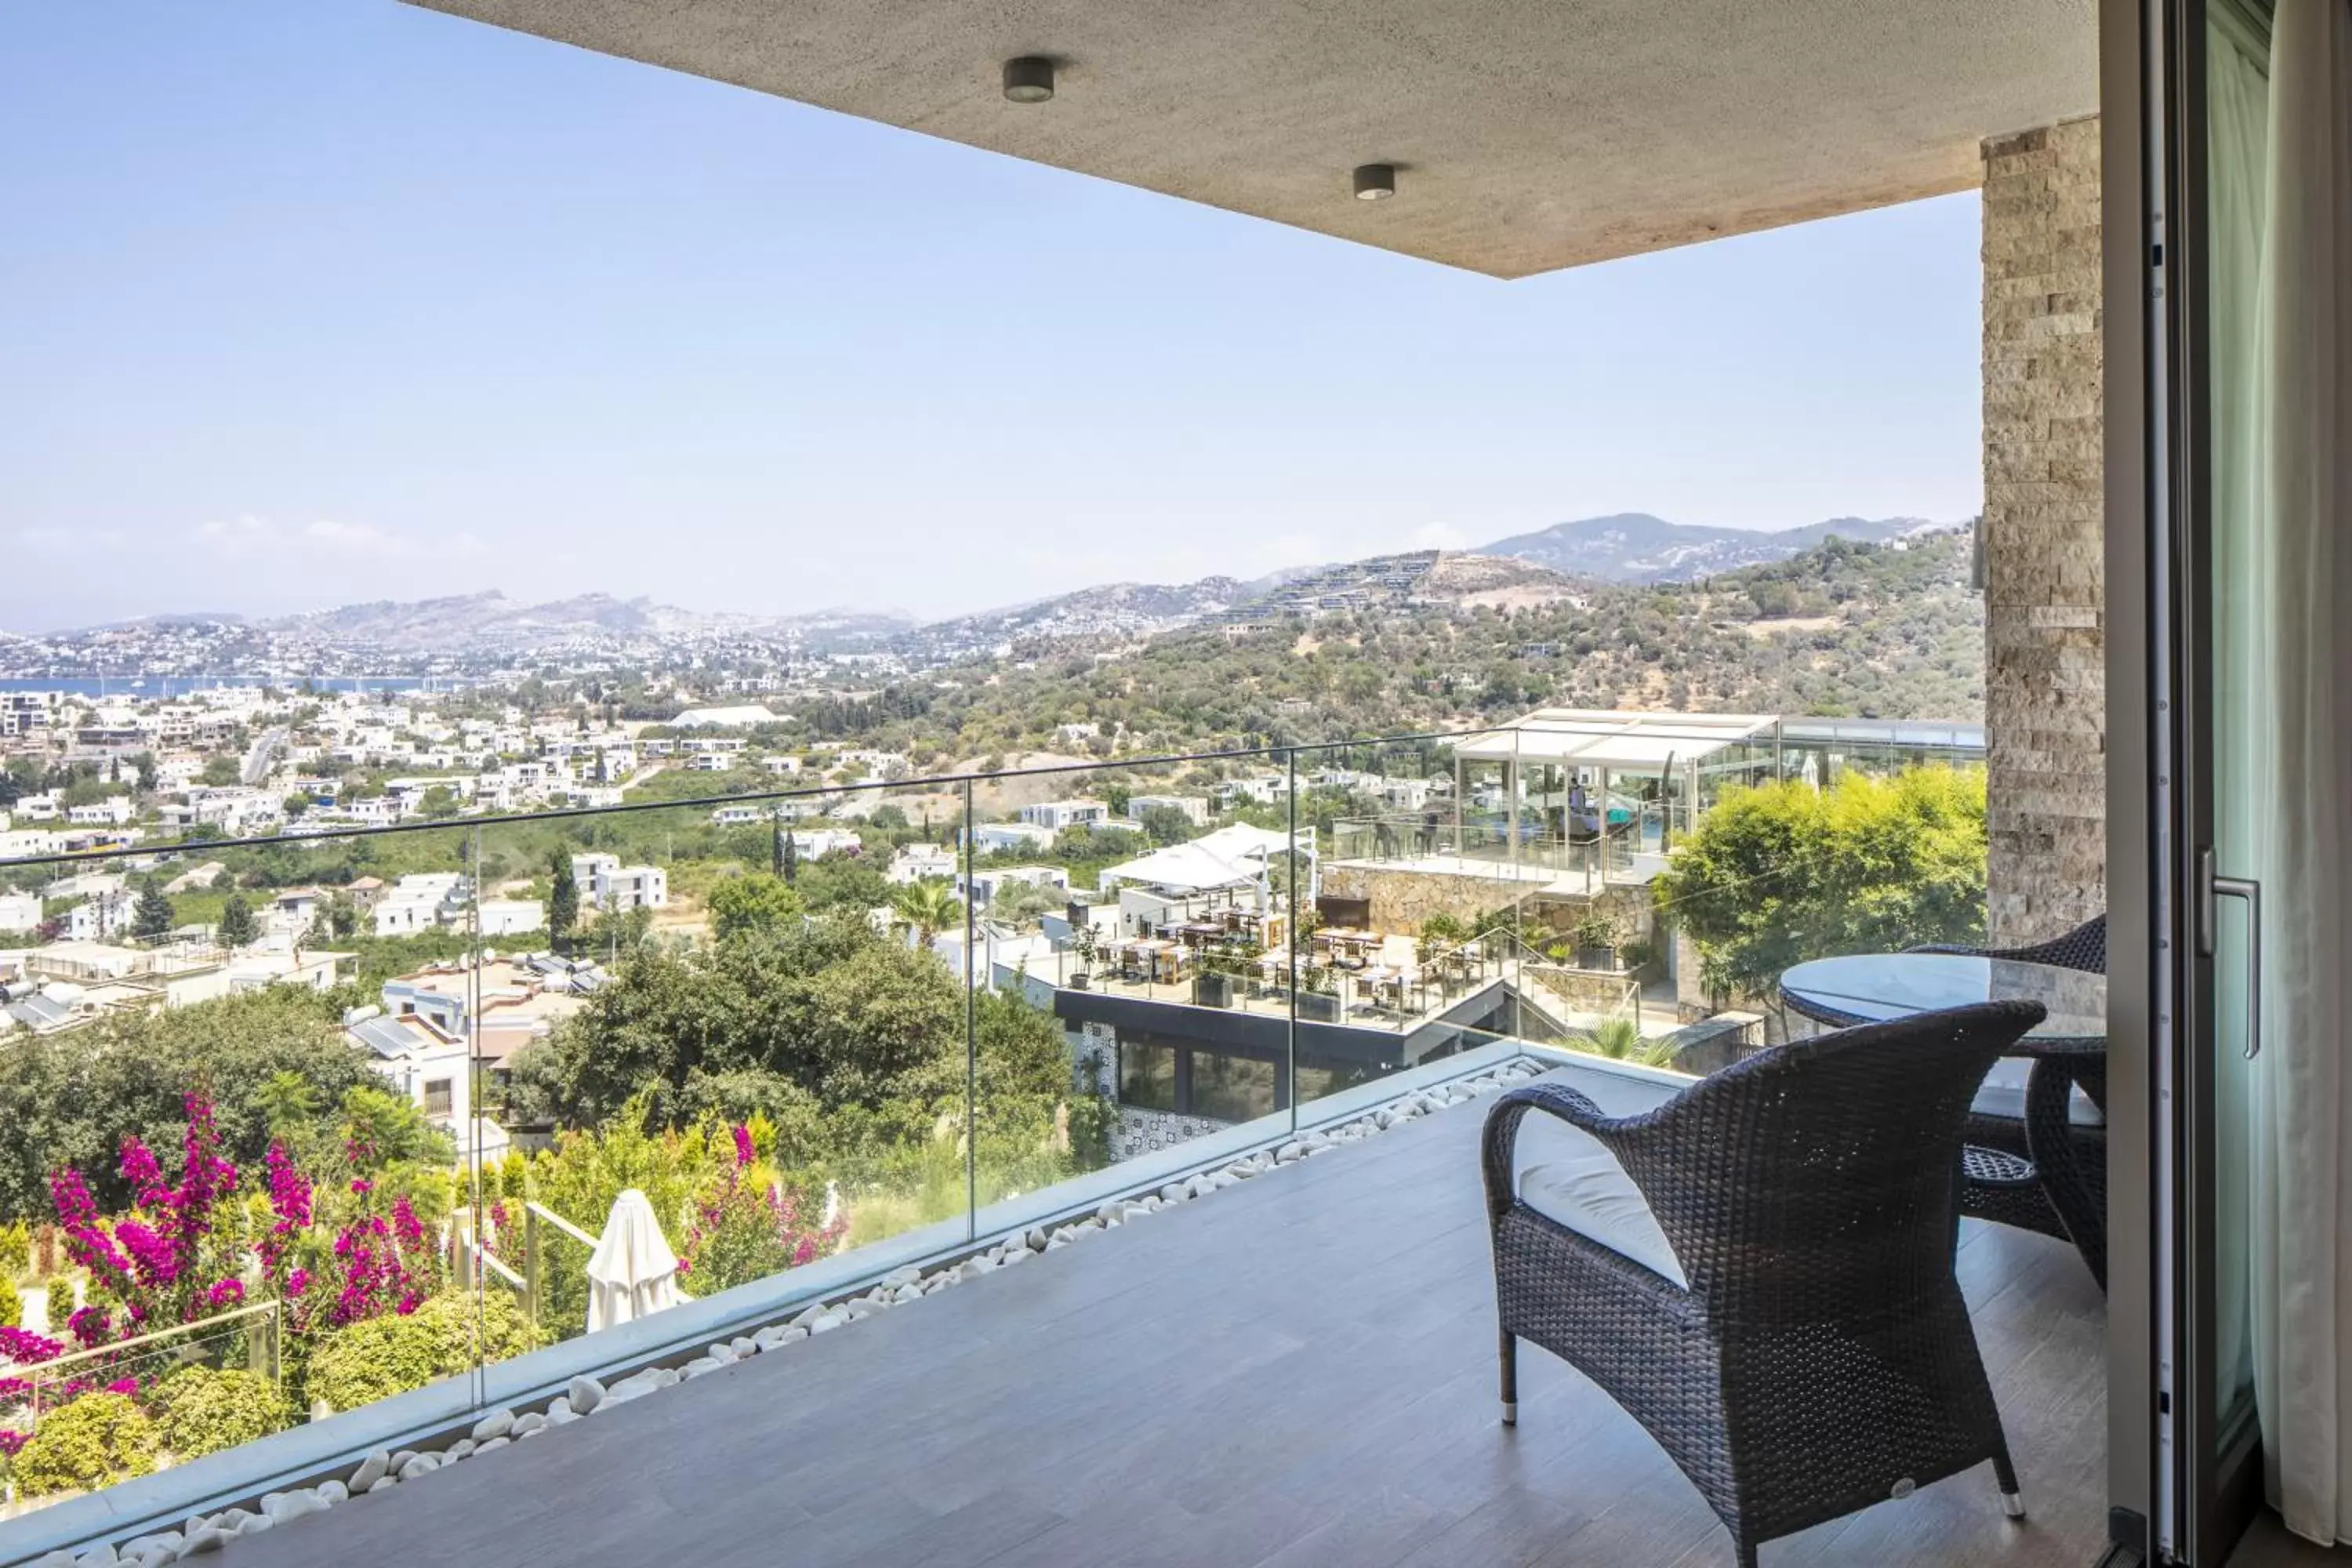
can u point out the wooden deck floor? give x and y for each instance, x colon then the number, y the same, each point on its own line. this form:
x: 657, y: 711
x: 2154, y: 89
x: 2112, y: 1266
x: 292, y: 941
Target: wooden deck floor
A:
x: 1295, y: 1372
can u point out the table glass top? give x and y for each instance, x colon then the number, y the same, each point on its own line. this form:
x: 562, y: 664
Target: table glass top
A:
x: 1882, y: 985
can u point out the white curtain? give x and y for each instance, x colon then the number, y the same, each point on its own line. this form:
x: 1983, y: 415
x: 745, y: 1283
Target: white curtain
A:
x: 2237, y: 112
x: 2296, y: 637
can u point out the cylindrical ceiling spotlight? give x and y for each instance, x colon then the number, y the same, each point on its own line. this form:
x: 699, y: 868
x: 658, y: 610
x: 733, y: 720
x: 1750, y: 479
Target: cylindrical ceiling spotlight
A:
x: 1029, y: 79
x: 1375, y: 182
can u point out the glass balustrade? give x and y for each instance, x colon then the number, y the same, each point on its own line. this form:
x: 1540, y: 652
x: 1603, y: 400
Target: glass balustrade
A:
x: 384, y: 1121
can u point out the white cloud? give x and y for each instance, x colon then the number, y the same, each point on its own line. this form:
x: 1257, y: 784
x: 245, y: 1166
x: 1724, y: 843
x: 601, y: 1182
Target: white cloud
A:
x: 236, y: 535
x: 352, y: 539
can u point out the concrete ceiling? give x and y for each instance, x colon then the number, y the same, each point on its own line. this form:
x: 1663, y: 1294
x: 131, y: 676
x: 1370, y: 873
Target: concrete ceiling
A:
x: 1528, y: 134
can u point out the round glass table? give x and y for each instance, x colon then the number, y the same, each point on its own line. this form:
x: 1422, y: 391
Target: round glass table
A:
x: 2064, y: 1136
x: 1874, y: 987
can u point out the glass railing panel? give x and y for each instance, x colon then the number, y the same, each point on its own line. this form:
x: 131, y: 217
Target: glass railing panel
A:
x: 1145, y: 1021
x: 726, y: 1040
x: 232, y: 1178
x: 1411, y: 870
x: 1815, y: 863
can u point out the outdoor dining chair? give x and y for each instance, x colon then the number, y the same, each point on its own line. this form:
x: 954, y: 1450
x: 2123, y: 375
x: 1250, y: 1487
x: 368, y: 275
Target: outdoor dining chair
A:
x: 1761, y: 1271
x: 2064, y: 1191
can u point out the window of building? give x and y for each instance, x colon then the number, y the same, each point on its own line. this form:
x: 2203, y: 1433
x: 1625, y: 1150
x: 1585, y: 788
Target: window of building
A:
x: 438, y: 1098
x: 1147, y: 1075
x: 1232, y: 1089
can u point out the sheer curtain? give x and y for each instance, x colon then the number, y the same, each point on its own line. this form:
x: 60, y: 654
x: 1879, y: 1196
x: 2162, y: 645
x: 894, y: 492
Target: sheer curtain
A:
x: 2237, y: 115
x: 2291, y: 634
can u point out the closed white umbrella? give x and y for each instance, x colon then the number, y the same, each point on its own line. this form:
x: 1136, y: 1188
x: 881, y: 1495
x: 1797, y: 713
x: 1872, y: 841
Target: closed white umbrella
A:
x: 633, y: 1273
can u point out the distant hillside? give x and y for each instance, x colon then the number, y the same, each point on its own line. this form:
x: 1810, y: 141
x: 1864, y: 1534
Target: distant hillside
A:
x: 491, y: 620
x: 1889, y: 630
x: 1468, y: 581
x: 1635, y: 547
x: 1114, y: 610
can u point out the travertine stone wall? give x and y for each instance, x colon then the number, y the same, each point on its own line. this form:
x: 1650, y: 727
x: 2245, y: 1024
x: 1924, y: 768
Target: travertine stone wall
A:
x: 2044, y: 584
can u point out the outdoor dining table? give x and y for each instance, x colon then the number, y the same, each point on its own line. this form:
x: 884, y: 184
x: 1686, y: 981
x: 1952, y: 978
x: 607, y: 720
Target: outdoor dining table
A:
x: 2067, y: 1051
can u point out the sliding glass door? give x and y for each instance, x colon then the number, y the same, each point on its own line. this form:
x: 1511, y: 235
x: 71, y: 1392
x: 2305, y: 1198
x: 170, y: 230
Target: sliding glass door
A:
x: 2249, y: 721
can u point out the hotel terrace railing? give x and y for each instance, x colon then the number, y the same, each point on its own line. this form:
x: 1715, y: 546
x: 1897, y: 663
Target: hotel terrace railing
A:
x: 816, y: 1074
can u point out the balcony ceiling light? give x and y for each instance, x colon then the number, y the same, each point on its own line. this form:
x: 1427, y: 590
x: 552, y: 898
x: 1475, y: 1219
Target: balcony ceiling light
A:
x: 1375, y: 182
x: 1029, y: 79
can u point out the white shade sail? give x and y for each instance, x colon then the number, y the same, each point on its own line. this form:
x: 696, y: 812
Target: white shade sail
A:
x: 1227, y: 858
x: 1621, y: 742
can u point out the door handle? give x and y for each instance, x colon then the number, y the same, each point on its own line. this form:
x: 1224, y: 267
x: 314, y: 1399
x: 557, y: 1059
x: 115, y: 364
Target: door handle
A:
x: 2217, y: 887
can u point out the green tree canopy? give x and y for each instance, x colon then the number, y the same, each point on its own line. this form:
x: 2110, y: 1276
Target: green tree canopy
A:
x: 1781, y: 873
x: 237, y: 928
x: 562, y: 896
x: 70, y: 1098
x: 758, y: 901
x: 152, y: 917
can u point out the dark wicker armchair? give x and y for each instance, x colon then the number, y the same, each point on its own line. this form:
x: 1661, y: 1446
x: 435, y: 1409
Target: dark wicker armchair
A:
x: 1819, y: 1356
x: 2006, y: 1186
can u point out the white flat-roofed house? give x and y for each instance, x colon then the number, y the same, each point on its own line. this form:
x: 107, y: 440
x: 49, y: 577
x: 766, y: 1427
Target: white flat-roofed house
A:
x: 711, y: 763
x: 38, y: 808
x: 20, y: 911
x: 605, y: 884
x: 740, y: 717
x: 433, y: 1071
x: 922, y: 863
x: 421, y: 902
x: 1264, y: 789
x: 987, y: 884
x: 816, y: 843
x: 991, y: 837
x: 1193, y: 809
x: 1057, y: 814
x: 510, y: 917
x: 294, y: 911
x: 98, y: 917
x: 112, y: 812
x: 1406, y: 795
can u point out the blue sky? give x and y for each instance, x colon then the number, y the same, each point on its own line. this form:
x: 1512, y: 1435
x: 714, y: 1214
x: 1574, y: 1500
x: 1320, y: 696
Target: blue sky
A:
x: 305, y: 302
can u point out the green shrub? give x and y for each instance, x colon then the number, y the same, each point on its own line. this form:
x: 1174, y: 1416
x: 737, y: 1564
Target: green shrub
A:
x: 15, y: 1251
x: 201, y: 1411
x: 96, y: 1441
x: 12, y: 1309
x: 378, y: 1357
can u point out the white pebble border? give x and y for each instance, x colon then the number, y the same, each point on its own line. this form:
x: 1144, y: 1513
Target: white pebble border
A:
x: 382, y: 1470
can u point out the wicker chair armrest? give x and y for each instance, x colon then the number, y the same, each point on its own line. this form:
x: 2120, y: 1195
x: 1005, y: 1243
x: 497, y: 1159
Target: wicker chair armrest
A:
x: 1502, y: 1131
x: 1959, y: 948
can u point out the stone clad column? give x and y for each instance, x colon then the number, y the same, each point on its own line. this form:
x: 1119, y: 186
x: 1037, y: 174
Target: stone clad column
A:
x: 2044, y: 575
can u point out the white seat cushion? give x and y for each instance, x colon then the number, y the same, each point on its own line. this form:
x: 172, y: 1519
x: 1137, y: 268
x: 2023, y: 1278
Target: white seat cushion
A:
x: 2003, y: 1094
x: 1566, y: 1175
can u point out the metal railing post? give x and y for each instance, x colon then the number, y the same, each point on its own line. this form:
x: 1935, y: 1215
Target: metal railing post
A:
x: 531, y: 1264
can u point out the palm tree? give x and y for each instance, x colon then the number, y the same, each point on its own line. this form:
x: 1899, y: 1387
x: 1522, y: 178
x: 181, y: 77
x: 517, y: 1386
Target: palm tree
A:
x: 1621, y: 1039
x: 929, y: 906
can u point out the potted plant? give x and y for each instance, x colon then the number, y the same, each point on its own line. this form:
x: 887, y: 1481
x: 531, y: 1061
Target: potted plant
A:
x: 1084, y: 941
x: 1597, y: 938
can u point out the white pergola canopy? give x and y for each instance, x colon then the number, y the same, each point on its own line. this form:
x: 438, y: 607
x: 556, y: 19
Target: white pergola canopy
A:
x: 1230, y: 857
x: 1638, y: 743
